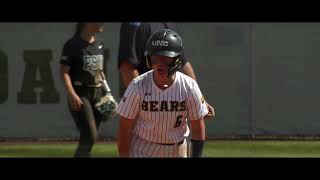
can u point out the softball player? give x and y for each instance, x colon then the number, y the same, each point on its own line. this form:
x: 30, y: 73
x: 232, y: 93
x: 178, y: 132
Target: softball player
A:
x: 156, y: 105
x: 82, y: 74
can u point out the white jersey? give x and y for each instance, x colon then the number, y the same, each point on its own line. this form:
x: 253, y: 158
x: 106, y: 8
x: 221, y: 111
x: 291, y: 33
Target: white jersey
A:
x: 162, y: 114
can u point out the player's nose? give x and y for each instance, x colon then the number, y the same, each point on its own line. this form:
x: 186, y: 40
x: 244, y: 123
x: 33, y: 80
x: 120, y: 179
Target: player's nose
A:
x: 160, y: 66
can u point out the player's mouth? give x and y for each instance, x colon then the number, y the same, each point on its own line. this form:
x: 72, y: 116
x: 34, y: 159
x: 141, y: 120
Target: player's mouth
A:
x: 160, y: 71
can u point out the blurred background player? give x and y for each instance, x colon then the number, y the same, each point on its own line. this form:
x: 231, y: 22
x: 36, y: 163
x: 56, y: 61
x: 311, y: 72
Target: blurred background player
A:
x: 82, y: 73
x: 156, y: 105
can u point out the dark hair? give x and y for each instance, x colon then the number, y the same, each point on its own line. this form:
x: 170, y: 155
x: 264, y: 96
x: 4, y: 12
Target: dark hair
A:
x: 79, y: 28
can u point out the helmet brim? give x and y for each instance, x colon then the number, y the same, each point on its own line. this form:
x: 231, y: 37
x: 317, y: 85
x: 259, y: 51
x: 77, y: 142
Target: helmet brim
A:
x: 162, y: 53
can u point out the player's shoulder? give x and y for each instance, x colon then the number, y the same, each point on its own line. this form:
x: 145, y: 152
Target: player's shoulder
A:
x: 171, y: 25
x: 185, y: 78
x: 145, y: 27
x: 71, y: 42
x: 130, y: 25
x: 139, y: 82
x: 134, y: 24
x: 142, y: 78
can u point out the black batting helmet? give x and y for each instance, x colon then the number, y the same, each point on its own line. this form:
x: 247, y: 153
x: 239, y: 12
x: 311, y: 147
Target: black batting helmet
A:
x: 165, y: 42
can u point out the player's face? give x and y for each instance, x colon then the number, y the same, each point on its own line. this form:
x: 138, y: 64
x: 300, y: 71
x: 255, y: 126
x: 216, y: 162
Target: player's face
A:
x: 95, y: 27
x: 160, y: 64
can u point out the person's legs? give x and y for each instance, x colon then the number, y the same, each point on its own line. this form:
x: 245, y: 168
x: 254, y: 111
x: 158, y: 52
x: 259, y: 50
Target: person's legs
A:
x: 86, y: 124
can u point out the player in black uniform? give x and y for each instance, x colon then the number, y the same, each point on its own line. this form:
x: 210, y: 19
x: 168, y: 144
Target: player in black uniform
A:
x: 82, y: 73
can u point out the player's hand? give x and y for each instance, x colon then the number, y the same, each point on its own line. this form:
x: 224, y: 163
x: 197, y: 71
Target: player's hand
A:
x: 75, y: 102
x: 211, y: 112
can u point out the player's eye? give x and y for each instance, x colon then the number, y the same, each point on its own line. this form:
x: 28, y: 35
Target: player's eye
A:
x: 161, y: 61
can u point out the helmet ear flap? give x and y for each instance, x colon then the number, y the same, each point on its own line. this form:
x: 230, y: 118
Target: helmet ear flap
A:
x: 174, y: 66
x: 178, y: 62
x: 148, y: 62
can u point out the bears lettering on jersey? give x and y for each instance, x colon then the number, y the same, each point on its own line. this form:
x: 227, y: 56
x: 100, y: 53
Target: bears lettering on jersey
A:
x: 163, y: 106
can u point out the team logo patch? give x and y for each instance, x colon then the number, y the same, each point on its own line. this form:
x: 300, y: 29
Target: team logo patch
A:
x: 160, y: 43
x: 92, y: 62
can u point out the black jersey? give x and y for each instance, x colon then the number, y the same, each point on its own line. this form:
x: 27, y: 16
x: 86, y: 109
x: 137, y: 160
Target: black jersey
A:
x: 85, y: 60
x: 127, y: 43
x: 133, y: 40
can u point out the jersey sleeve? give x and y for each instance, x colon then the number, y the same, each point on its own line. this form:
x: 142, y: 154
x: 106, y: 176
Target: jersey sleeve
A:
x: 196, y: 104
x: 126, y: 50
x: 129, y: 104
x: 66, y: 55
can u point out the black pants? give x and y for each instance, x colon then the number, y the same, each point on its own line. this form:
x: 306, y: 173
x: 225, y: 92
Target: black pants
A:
x: 87, y: 120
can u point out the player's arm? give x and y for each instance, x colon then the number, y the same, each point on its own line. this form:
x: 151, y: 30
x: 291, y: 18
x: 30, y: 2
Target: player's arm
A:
x: 197, y: 110
x: 65, y: 77
x: 128, y: 72
x: 211, y: 112
x: 65, y: 64
x: 187, y: 67
x: 75, y: 100
x: 124, y: 136
x: 188, y: 70
x: 128, y: 110
x: 198, y: 137
x: 135, y: 48
x: 127, y: 60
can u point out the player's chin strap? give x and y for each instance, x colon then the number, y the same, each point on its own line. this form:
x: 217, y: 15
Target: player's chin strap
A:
x: 174, y: 66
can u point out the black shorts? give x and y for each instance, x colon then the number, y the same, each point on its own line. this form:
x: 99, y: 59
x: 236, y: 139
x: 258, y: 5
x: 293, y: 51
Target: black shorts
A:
x: 93, y: 95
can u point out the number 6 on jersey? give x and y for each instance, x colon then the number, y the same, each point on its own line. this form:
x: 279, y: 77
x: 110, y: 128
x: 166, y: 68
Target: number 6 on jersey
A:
x: 178, y: 121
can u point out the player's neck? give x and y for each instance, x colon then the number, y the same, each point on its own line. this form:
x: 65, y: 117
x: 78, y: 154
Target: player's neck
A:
x: 164, y: 83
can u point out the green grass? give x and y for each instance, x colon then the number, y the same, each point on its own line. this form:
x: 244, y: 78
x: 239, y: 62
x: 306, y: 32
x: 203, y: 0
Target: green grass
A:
x: 212, y: 149
x: 53, y: 150
x: 262, y: 149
